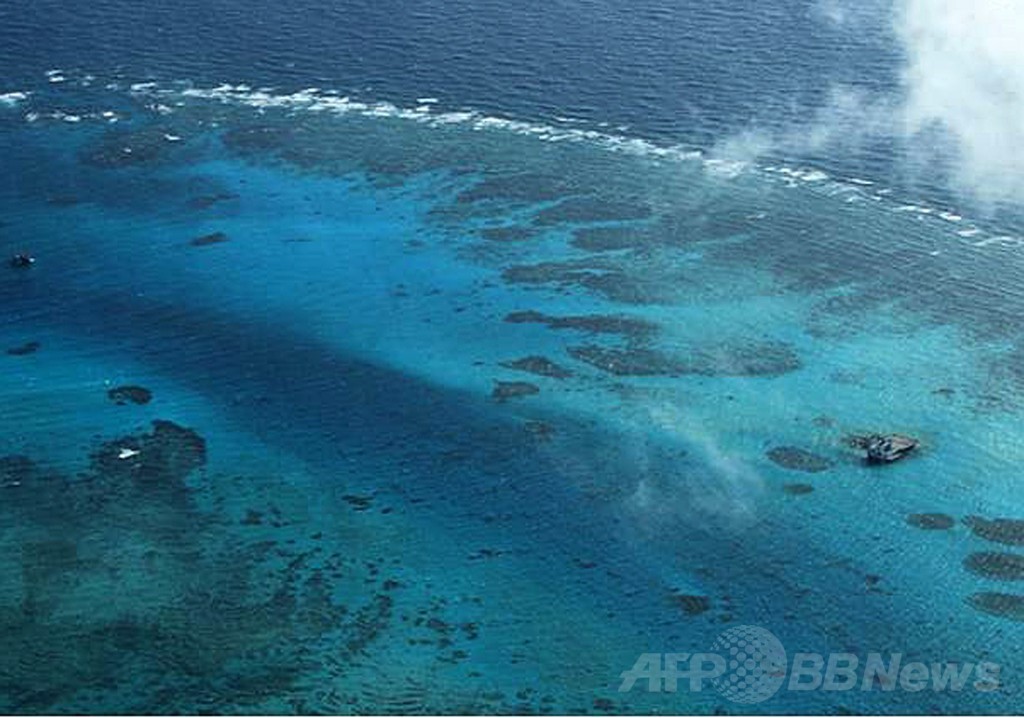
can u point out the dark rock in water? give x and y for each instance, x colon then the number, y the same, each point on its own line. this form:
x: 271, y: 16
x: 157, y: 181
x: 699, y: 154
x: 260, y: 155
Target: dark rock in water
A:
x: 24, y: 349
x: 791, y: 457
x: 22, y: 261
x: 358, y: 503
x: 797, y: 489
x: 538, y: 365
x: 692, y: 605
x: 122, y: 395
x: 1004, y: 531
x: 1004, y: 605
x: 996, y: 564
x: 505, y: 390
x: 931, y: 522
x: 884, y: 448
x: 208, y: 239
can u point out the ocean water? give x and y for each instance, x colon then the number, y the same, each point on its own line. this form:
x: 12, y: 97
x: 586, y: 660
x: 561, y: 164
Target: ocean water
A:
x: 383, y: 358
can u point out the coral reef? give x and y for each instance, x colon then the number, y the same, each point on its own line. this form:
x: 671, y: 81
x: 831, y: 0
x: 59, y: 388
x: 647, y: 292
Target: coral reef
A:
x: 796, y: 459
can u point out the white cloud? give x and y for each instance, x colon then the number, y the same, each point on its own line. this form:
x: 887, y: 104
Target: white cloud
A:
x: 965, y: 75
x: 960, y: 101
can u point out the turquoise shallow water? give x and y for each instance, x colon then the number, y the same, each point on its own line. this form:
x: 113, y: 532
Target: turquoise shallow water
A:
x: 466, y: 414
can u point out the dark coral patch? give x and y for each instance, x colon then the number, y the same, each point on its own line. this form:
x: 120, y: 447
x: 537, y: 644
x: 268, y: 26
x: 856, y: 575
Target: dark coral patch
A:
x: 130, y: 394
x: 796, y: 459
x: 505, y: 390
x: 212, y: 603
x: 162, y: 457
x: 571, y: 272
x: 756, y: 359
x: 538, y: 365
x: 797, y: 489
x: 15, y: 469
x: 592, y: 209
x: 24, y: 349
x: 1004, y: 605
x: 628, y: 362
x: 601, y: 275
x: 691, y: 605
x: 766, y: 360
x: 507, y: 234
x: 62, y: 200
x: 253, y: 139
x: 208, y: 200
x: 595, y: 323
x: 118, y: 149
x: 539, y: 430
x: 208, y: 239
x: 518, y: 188
x: 603, y: 239
x: 996, y: 564
x: 931, y: 522
x: 1004, y: 531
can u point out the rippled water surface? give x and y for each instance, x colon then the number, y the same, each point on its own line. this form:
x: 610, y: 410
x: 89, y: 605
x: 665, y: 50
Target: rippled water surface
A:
x: 400, y: 359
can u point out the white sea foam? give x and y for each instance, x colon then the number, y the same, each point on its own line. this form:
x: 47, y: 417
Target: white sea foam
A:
x: 564, y: 129
x: 795, y: 173
x: 1001, y: 240
x: 915, y: 208
x: 725, y: 168
x: 315, y: 100
x: 10, y: 99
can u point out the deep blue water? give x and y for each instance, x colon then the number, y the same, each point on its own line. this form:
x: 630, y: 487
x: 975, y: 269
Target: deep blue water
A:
x: 475, y: 373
